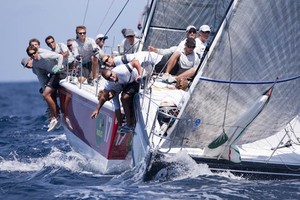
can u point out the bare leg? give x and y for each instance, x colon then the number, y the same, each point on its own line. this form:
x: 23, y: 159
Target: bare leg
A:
x: 127, y: 105
x: 81, y: 79
x: 47, y: 94
x: 95, y: 67
x: 119, y: 117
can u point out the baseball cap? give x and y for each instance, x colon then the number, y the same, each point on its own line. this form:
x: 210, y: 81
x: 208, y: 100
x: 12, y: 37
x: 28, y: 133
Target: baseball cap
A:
x: 204, y: 28
x: 24, y: 61
x: 101, y: 36
x: 129, y: 32
x: 190, y: 27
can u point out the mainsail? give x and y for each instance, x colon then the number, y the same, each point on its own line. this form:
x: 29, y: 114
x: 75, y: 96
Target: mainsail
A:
x: 258, y: 46
x: 168, y: 19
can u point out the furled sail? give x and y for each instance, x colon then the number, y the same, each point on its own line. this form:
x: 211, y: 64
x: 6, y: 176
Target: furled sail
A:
x: 259, y: 45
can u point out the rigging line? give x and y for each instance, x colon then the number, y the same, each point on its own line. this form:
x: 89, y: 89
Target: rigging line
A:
x: 105, y: 16
x: 86, y: 9
x: 116, y: 17
x: 249, y: 82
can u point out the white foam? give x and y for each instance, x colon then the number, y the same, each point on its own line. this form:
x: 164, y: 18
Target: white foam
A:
x: 72, y: 161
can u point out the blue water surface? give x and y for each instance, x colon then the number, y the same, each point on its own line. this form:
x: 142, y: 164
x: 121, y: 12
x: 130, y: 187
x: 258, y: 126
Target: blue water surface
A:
x: 35, y: 164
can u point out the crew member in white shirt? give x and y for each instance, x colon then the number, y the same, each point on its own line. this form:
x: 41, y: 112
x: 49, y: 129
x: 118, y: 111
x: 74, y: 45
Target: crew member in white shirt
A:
x: 87, y: 49
x: 123, y: 78
x: 182, y: 60
x: 130, y: 43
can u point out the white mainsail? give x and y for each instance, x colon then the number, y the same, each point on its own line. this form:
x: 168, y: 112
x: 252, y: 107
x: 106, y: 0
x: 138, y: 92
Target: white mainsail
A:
x: 258, y: 46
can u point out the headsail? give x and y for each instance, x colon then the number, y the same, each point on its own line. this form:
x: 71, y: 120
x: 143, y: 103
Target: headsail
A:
x: 260, y: 43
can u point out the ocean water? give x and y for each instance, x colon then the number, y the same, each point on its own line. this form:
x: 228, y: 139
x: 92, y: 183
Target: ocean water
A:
x: 35, y: 164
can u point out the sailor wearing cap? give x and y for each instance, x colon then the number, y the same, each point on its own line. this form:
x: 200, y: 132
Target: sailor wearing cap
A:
x: 182, y: 60
x: 100, y: 40
x: 191, y: 32
x: 130, y: 43
x: 201, y: 41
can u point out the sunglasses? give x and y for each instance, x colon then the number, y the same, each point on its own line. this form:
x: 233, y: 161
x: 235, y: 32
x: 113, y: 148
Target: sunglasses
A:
x: 69, y: 45
x: 50, y: 42
x: 192, y: 31
x: 108, y: 77
x: 31, y: 54
x: 191, y: 47
x: 100, y: 40
x: 106, y: 60
x: 205, y: 31
x: 81, y: 33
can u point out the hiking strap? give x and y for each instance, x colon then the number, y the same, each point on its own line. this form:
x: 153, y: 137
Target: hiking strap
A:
x: 130, y: 70
x: 124, y: 59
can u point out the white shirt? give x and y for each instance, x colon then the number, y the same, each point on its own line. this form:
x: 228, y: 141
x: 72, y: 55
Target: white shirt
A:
x: 188, y: 61
x: 60, y: 48
x: 47, y: 60
x: 124, y: 77
x: 127, y: 48
x: 86, y: 48
x: 200, y: 47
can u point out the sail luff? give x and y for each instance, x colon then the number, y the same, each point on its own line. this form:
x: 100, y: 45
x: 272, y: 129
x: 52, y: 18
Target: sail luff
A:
x: 147, y: 24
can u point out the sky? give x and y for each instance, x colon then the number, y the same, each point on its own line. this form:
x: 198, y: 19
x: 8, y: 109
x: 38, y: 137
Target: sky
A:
x: 22, y: 20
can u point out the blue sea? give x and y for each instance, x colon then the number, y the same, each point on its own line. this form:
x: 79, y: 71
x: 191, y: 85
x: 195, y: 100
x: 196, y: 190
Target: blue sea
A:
x: 35, y: 164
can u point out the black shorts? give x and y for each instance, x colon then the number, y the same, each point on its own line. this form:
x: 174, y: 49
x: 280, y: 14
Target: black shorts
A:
x: 87, y: 69
x: 54, y: 79
x: 131, y: 89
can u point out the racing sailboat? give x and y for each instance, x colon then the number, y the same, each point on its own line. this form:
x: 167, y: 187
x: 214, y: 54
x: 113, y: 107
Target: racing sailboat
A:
x: 240, y: 112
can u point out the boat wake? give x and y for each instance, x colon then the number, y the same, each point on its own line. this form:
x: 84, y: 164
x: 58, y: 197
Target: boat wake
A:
x: 181, y: 166
x: 55, y: 159
x: 167, y: 168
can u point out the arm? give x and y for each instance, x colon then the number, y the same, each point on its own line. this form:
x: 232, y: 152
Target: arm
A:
x: 64, y: 50
x: 135, y: 64
x: 103, y: 97
x: 58, y: 58
x: 144, y: 13
x: 172, y: 61
x: 162, y: 51
x: 152, y: 49
x: 117, y: 109
x: 187, y: 74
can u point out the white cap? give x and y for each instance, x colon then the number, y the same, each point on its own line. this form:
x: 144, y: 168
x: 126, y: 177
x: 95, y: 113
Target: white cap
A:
x: 190, y: 27
x: 204, y: 28
x: 101, y: 36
